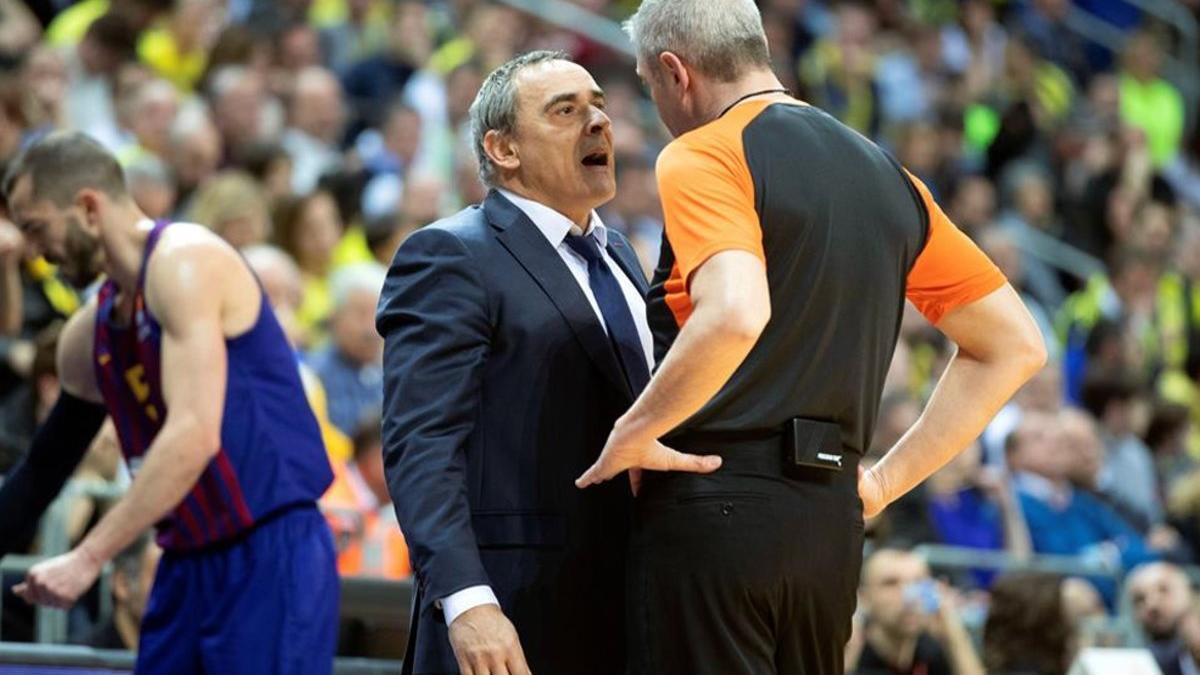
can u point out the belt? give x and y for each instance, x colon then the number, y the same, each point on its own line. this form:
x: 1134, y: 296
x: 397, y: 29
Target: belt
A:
x: 769, y: 451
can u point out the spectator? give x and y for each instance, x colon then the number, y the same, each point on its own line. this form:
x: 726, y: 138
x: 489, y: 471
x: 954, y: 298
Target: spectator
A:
x: 1189, y: 633
x: 1161, y: 595
x: 350, y: 366
x: 92, y: 68
x: 1127, y: 475
x: 70, y: 25
x: 14, y: 116
x: 1167, y: 435
x: 44, y: 74
x: 1027, y: 630
x: 239, y: 106
x: 385, y: 233
x: 1031, y: 219
x: 298, y: 47
x: 360, y: 33
x: 1126, y: 305
x: 1044, y: 25
x: 316, y: 116
x: 839, y: 73
x: 378, y: 80
x: 132, y: 579
x: 360, y: 512
x: 151, y: 186
x: 271, y: 166
x: 974, y: 506
x: 154, y: 111
x: 195, y: 154
x: 233, y: 206
x: 904, y: 610
x: 1061, y: 519
x: 972, y: 204
x: 308, y: 228
x: 1148, y: 102
x: 177, y: 49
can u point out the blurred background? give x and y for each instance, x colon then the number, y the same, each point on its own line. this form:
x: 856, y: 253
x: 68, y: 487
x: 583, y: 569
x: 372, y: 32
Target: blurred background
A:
x: 315, y: 135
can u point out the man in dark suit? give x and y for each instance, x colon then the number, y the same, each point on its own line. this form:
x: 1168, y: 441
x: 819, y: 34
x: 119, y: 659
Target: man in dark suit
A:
x: 515, y: 336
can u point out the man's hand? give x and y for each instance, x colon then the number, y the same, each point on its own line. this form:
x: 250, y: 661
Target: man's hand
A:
x: 871, y: 492
x: 59, y: 581
x: 12, y: 244
x: 627, y: 449
x: 486, y: 643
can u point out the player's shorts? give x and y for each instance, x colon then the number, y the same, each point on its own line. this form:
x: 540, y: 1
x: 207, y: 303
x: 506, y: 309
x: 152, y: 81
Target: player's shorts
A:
x: 267, y: 603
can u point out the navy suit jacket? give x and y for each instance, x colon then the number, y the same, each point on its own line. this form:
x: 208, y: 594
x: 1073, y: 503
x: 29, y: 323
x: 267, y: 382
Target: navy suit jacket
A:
x: 500, y: 388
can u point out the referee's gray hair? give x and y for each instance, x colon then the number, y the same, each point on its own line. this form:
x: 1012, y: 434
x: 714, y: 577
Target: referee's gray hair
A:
x: 495, y: 106
x: 719, y: 38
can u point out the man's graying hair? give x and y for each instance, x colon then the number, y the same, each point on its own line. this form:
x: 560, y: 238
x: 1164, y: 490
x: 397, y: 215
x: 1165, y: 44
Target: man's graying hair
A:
x: 719, y: 38
x: 495, y: 106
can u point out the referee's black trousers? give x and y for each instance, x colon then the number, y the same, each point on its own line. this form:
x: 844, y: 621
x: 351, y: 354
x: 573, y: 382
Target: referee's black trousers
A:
x: 746, y: 571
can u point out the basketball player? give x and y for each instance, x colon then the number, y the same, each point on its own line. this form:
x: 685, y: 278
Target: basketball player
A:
x: 182, y: 350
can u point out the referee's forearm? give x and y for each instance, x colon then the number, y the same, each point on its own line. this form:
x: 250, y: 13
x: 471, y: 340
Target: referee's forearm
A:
x: 968, y: 396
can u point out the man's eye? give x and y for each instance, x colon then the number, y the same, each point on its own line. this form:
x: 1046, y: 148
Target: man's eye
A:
x: 566, y: 110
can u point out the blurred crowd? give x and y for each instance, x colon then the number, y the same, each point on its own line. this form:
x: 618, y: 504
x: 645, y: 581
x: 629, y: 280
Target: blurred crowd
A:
x: 315, y: 135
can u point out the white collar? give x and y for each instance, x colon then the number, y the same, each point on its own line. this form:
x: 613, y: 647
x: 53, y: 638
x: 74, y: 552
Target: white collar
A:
x: 1043, y: 488
x: 554, y: 225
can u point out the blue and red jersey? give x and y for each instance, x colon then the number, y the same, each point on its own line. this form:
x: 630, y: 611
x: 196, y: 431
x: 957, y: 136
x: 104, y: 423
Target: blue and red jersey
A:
x: 271, y: 456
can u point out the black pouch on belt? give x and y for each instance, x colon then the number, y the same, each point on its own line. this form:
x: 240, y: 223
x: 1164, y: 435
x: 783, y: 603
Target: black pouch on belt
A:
x: 813, y: 444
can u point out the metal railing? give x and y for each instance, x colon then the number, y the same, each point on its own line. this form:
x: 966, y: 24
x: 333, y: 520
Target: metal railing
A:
x: 88, y: 660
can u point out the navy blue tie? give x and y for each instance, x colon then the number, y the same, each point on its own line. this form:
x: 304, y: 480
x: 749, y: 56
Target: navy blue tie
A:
x: 622, y: 331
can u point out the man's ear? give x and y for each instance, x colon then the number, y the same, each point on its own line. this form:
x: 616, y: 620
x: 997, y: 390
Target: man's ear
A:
x: 502, y: 149
x: 673, y: 70
x: 88, y: 201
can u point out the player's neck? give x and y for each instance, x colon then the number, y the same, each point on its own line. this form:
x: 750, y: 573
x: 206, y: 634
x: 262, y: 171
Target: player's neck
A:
x: 124, y: 240
x: 722, y: 95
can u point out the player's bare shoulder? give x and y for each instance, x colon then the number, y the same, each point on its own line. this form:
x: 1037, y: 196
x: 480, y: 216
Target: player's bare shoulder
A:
x: 190, y: 268
x: 75, y: 356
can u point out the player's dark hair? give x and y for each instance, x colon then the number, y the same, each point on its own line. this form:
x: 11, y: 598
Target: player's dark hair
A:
x: 61, y: 164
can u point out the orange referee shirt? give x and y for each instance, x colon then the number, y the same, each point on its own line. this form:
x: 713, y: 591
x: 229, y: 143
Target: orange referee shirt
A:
x: 846, y: 235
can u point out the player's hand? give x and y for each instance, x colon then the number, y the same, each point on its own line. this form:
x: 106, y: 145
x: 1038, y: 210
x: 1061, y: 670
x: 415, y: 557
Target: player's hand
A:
x: 871, y: 492
x: 627, y: 450
x: 486, y: 643
x: 59, y: 581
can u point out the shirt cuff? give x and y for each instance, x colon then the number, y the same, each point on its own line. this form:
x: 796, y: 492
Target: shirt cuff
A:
x: 468, y: 598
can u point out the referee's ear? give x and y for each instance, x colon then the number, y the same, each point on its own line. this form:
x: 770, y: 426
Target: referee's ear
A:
x: 674, y: 70
x: 502, y: 150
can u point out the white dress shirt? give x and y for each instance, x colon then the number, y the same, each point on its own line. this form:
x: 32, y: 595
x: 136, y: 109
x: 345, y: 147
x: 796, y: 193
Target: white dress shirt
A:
x: 555, y: 227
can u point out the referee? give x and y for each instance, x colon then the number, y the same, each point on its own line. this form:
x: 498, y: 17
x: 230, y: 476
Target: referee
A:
x: 791, y: 245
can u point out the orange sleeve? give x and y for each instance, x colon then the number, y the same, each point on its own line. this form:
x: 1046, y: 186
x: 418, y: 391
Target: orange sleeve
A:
x: 951, y: 271
x: 708, y: 204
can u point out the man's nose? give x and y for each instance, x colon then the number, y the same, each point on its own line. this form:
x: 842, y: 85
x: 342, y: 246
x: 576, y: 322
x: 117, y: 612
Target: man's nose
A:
x: 598, y: 122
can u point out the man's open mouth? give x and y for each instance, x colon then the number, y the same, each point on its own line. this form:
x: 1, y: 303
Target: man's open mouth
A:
x: 596, y: 159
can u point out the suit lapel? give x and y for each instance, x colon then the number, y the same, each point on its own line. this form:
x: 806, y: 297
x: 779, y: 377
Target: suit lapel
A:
x: 522, y: 239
